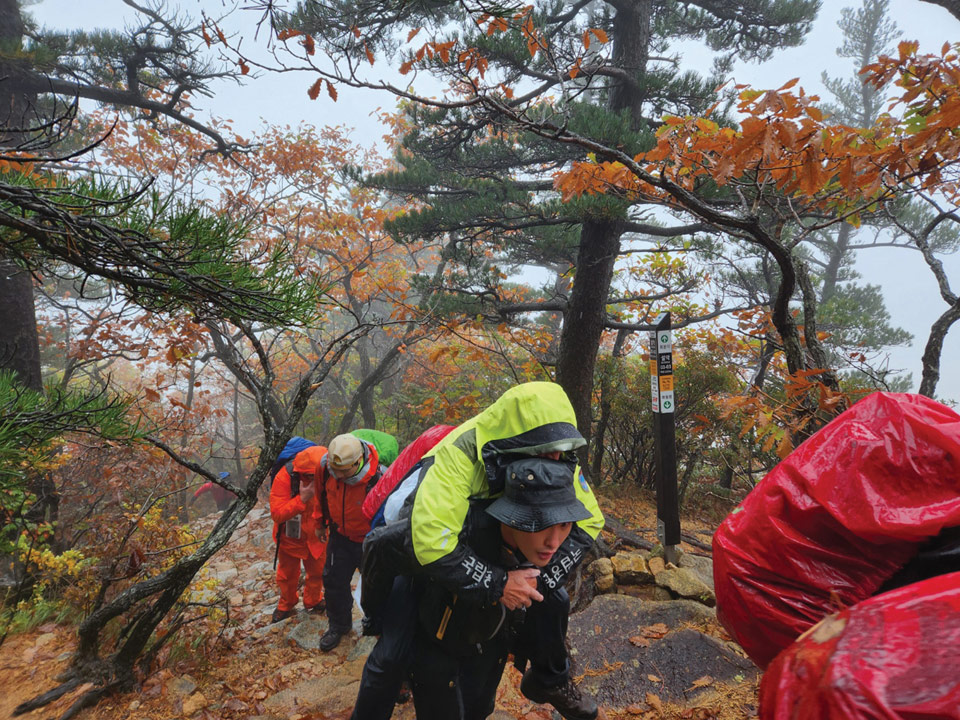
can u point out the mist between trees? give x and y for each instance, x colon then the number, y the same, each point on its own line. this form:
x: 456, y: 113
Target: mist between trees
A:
x: 181, y: 298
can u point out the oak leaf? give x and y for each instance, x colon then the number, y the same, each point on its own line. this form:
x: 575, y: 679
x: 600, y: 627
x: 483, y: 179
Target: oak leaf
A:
x: 655, y: 702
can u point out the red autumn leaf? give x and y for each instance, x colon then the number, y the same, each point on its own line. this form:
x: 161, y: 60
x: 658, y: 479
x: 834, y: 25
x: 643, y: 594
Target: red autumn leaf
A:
x: 314, y: 90
x: 331, y: 91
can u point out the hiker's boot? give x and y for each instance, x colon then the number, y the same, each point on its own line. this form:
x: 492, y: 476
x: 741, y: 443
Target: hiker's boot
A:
x: 279, y: 615
x: 331, y: 638
x: 317, y: 609
x: 566, y: 698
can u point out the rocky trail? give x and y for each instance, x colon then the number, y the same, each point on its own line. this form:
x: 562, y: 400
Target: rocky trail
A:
x: 647, y: 646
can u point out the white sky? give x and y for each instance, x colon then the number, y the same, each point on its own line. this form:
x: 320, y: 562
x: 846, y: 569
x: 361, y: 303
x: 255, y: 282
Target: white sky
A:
x: 910, y: 292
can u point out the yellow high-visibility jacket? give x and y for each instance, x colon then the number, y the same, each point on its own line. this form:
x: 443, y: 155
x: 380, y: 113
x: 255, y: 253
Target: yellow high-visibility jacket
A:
x: 529, y: 419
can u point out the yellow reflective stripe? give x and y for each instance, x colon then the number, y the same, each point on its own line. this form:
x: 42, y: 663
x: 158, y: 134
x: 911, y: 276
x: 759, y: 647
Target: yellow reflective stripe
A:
x: 447, y: 612
x: 593, y: 524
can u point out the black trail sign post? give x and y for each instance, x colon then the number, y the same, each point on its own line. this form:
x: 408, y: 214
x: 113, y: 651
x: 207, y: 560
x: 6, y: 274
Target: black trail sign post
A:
x: 664, y: 433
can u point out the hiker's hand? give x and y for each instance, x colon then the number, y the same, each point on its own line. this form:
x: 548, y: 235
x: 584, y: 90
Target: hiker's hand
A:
x: 521, y: 589
x: 308, y: 492
x: 321, y: 533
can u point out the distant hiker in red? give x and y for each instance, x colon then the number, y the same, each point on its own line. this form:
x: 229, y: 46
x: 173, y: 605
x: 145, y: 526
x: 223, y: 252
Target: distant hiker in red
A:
x: 294, y: 509
x: 346, y: 474
x: 221, y: 496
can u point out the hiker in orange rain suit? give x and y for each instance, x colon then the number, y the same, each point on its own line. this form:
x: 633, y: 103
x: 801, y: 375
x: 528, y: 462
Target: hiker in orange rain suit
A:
x: 292, y: 500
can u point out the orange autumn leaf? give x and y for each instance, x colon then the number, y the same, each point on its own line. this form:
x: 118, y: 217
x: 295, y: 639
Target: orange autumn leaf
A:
x: 314, y: 91
x: 288, y: 33
x: 600, y: 35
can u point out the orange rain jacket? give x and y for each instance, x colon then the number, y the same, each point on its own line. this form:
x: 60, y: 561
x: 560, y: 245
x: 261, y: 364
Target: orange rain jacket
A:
x: 341, y: 507
x: 283, y: 507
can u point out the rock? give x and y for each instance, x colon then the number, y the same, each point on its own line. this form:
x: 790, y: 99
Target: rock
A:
x: 235, y: 598
x: 194, y: 704
x: 630, y: 568
x: 685, y: 583
x: 133, y: 705
x: 601, y: 636
x: 263, y: 539
x: 702, y: 566
x: 602, y: 573
x: 332, y: 693
x: 656, y: 565
x: 362, y: 648
x: 225, y: 574
x: 307, y: 633
x: 653, y: 593
x: 45, y: 639
x: 270, y: 627
x: 181, y: 686
x: 258, y: 570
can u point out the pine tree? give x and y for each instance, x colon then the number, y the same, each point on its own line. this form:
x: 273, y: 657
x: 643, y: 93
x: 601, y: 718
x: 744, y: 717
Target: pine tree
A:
x: 854, y: 313
x: 487, y: 183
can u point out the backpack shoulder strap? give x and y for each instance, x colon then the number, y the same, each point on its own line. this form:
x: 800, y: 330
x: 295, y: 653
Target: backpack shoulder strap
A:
x: 375, y: 478
x: 294, y: 479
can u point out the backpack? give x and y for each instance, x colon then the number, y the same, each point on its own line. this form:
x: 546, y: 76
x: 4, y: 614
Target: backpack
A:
x: 294, y: 445
x: 386, y: 548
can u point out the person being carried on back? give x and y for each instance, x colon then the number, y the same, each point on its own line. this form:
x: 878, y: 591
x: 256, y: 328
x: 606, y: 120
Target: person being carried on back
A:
x: 344, y: 476
x: 498, y: 519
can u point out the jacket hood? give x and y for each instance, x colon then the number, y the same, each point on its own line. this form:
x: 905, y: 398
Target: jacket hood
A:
x: 531, y: 418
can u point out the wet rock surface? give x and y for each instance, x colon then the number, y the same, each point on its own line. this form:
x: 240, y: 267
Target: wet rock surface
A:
x: 626, y: 647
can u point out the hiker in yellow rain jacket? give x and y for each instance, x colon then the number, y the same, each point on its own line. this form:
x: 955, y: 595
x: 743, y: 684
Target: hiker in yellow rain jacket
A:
x: 454, y: 586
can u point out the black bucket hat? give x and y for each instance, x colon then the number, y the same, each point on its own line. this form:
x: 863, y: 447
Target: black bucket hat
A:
x: 538, y: 493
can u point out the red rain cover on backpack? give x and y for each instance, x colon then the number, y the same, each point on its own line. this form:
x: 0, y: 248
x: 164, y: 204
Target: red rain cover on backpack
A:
x: 893, y: 656
x: 399, y: 468
x: 836, y: 518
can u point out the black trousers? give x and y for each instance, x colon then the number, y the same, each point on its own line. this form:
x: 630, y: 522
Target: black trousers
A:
x: 447, y: 687
x: 388, y: 664
x: 343, y: 559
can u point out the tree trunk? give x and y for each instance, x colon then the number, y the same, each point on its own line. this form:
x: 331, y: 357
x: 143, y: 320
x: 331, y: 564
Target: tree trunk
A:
x: 600, y: 238
x: 20, y: 346
x: 585, y: 316
x: 933, y: 349
x: 604, y: 417
x: 836, y: 253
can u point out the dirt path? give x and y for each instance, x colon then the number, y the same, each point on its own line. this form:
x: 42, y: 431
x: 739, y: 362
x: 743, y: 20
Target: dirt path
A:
x: 264, y: 671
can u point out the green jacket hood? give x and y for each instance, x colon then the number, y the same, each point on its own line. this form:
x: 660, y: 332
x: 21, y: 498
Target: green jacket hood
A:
x: 530, y: 418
